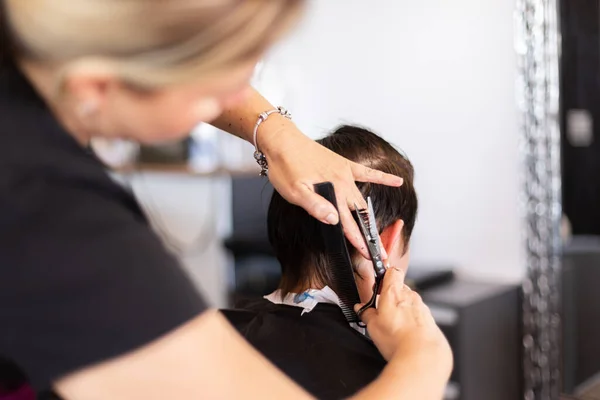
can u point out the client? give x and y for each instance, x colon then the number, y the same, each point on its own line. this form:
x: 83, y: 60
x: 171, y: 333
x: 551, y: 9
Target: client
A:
x: 300, y: 327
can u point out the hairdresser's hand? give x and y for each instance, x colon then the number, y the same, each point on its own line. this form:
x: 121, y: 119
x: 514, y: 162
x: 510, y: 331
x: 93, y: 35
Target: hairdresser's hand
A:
x: 402, y: 326
x: 297, y: 163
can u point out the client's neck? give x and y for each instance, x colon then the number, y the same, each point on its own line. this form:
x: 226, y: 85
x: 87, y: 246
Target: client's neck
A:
x: 303, y: 286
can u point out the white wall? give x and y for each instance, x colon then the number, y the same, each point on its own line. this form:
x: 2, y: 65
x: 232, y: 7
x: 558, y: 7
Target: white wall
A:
x: 437, y: 79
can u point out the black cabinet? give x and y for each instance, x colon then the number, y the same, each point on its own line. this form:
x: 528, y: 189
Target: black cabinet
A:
x: 581, y: 313
x: 483, y: 325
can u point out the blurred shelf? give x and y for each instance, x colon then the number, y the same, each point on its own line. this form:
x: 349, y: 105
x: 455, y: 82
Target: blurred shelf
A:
x: 184, y: 169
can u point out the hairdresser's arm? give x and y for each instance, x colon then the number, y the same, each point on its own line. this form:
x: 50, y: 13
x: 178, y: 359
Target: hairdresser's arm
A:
x: 296, y: 163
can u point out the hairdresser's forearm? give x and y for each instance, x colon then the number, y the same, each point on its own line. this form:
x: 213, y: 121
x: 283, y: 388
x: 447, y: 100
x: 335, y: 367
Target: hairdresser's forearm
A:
x: 240, y: 121
x: 414, y: 376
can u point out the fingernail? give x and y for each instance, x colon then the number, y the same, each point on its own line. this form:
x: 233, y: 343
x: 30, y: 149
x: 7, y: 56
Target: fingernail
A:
x: 331, y: 219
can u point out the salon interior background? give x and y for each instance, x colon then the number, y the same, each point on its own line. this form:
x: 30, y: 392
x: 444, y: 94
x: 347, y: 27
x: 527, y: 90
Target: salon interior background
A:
x: 435, y: 78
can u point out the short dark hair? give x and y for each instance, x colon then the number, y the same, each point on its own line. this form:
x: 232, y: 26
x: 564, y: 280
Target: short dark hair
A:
x: 295, y: 235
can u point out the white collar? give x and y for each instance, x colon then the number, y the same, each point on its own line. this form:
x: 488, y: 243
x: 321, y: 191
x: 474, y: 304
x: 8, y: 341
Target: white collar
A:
x: 308, y: 300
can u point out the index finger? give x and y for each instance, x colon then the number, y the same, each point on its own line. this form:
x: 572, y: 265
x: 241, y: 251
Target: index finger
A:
x: 366, y: 174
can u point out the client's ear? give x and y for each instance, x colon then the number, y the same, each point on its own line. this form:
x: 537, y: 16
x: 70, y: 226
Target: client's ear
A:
x: 391, y: 238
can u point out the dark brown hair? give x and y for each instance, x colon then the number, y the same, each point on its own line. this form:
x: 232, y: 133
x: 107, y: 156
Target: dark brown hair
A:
x: 295, y: 235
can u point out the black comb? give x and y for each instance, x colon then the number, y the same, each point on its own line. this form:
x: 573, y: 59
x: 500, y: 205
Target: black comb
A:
x: 338, y: 259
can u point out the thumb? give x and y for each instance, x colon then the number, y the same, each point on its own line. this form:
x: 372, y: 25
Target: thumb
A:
x: 316, y: 205
x: 366, y: 315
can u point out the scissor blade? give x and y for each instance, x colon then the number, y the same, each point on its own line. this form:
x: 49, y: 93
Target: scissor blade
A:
x: 374, y: 232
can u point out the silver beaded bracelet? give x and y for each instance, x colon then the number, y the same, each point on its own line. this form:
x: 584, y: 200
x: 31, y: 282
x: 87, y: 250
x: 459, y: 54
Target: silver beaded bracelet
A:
x: 259, y: 155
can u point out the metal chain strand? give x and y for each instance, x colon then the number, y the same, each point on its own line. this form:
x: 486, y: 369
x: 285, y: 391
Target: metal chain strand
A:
x: 537, y: 45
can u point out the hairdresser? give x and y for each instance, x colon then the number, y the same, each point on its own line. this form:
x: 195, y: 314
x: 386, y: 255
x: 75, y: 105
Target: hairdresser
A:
x: 91, y: 303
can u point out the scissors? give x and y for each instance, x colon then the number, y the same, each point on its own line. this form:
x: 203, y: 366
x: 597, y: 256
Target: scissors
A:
x: 368, y: 226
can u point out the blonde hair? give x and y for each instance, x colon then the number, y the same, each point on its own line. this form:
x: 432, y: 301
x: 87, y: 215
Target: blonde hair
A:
x: 148, y: 43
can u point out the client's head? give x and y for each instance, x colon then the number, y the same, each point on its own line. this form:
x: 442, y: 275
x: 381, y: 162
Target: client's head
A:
x: 295, y: 235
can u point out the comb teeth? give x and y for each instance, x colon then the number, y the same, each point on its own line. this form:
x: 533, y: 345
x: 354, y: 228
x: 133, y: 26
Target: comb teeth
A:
x: 345, y: 286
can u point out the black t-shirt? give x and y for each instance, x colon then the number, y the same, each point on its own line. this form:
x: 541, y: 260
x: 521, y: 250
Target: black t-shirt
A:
x: 319, y: 350
x: 82, y: 276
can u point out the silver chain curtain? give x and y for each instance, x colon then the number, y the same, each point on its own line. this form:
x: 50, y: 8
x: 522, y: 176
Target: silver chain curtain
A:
x: 537, y: 46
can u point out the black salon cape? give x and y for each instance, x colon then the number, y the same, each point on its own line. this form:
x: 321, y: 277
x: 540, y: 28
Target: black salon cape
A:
x: 82, y: 276
x: 319, y: 350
